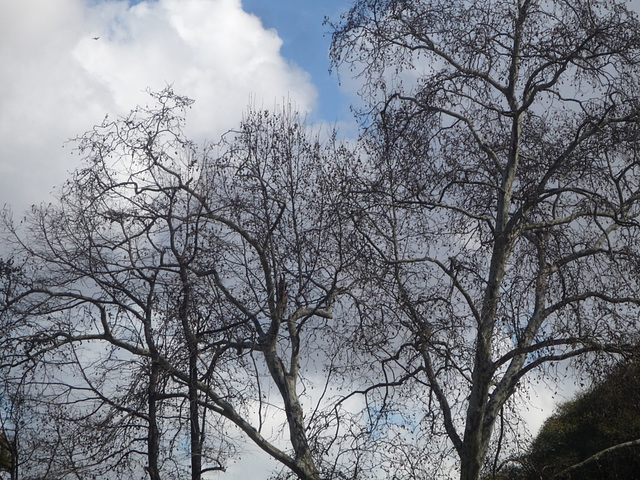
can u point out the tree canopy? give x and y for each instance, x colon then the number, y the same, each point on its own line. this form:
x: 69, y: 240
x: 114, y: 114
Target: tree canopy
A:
x: 501, y: 201
x: 177, y: 293
x: 605, y: 416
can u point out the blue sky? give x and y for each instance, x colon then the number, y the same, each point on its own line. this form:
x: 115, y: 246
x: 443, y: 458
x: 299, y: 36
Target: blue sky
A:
x: 306, y: 41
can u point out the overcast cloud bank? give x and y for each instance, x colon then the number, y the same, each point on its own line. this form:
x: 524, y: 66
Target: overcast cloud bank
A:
x: 66, y: 64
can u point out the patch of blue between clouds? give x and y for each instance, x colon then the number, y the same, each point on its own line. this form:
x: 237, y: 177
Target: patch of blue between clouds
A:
x: 306, y: 41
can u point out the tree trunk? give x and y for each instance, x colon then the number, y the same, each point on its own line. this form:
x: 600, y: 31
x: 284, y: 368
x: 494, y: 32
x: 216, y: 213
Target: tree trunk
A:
x: 153, y: 438
x: 286, y: 383
x: 192, y: 346
x: 196, y: 443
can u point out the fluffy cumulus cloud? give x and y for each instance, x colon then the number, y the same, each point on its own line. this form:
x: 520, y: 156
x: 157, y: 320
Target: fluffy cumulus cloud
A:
x: 57, y: 80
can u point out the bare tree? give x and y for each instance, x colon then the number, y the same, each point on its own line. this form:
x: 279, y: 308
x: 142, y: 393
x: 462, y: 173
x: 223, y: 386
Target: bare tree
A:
x: 186, y: 288
x: 500, y: 203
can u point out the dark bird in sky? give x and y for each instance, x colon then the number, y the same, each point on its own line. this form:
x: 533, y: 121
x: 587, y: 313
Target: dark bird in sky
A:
x: 96, y: 38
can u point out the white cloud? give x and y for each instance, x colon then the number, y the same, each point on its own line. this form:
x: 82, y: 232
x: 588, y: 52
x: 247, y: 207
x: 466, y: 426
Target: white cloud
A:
x: 57, y: 81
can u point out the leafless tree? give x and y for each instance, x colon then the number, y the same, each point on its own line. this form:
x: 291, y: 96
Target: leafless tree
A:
x: 500, y: 203
x: 178, y: 288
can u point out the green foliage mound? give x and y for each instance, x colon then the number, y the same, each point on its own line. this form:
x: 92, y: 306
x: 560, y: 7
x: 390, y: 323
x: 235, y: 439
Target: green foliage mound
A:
x: 605, y: 416
x: 5, y: 454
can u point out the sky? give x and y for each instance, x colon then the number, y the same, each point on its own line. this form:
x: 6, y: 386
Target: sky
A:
x: 64, y: 64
